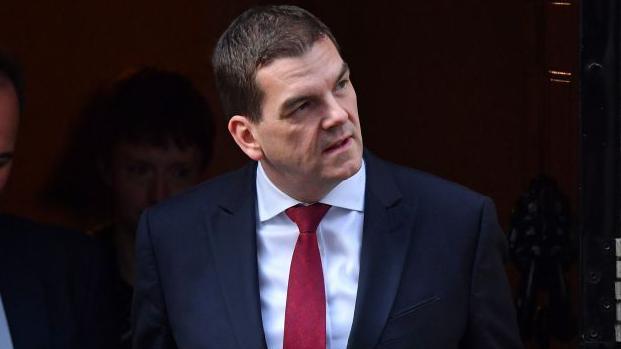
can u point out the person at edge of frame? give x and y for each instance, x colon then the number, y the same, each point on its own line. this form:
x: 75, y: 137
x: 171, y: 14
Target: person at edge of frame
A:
x: 54, y: 284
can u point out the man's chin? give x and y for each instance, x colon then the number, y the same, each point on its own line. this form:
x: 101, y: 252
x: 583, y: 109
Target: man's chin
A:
x: 346, y: 170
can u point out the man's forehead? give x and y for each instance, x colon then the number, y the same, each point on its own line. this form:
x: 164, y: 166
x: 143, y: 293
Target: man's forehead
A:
x: 321, y: 61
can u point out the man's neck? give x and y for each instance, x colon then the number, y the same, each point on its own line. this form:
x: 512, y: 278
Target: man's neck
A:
x: 306, y: 192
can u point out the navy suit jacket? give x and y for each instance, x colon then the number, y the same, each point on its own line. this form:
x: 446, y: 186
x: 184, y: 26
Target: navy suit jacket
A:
x: 53, y: 285
x: 431, y: 267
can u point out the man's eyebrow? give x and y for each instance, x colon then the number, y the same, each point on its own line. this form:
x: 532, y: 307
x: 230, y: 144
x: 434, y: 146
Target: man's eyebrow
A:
x: 344, y: 71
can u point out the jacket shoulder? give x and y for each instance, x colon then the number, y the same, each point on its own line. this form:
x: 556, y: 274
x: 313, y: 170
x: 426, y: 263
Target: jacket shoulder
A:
x: 426, y: 187
x: 40, y: 235
x: 226, y: 188
x: 55, y: 253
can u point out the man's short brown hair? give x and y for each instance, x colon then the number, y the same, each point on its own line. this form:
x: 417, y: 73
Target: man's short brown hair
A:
x: 255, y: 39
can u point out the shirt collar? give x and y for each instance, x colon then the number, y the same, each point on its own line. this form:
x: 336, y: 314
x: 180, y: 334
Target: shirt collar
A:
x: 271, y: 201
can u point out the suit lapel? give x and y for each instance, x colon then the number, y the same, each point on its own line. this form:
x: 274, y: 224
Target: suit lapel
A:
x: 23, y: 294
x: 232, y: 239
x: 385, y: 240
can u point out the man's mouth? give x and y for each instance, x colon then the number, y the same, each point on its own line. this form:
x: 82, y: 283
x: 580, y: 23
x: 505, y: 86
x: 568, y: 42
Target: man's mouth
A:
x: 338, y: 145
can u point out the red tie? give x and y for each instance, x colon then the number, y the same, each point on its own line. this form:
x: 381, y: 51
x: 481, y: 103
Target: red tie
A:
x: 305, y: 315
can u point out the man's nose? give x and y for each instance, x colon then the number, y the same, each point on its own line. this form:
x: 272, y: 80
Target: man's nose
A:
x: 336, y: 115
x: 159, y: 190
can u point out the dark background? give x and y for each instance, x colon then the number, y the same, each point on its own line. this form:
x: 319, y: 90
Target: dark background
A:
x: 461, y: 89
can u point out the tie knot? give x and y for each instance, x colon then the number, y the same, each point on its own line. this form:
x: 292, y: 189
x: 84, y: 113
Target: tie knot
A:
x: 308, y: 217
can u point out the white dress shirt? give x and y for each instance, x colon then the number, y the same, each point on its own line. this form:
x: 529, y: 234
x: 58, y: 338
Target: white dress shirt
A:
x: 339, y: 236
x: 5, y: 334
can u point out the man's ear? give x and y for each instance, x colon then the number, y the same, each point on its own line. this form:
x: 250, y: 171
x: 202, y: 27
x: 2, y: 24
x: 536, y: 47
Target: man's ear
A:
x: 242, y: 130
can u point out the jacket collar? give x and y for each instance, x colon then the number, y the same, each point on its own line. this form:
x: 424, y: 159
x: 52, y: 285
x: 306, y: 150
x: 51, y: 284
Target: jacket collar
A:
x: 388, y: 222
x: 232, y: 241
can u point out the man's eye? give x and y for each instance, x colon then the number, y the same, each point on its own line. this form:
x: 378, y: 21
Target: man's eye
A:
x: 342, y: 84
x: 5, y: 160
x: 302, y: 106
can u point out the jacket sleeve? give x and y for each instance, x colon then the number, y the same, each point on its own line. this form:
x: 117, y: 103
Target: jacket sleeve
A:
x: 492, y: 321
x: 149, y: 317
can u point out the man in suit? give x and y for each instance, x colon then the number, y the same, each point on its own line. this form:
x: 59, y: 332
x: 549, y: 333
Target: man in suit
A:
x: 52, y: 281
x: 315, y: 245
